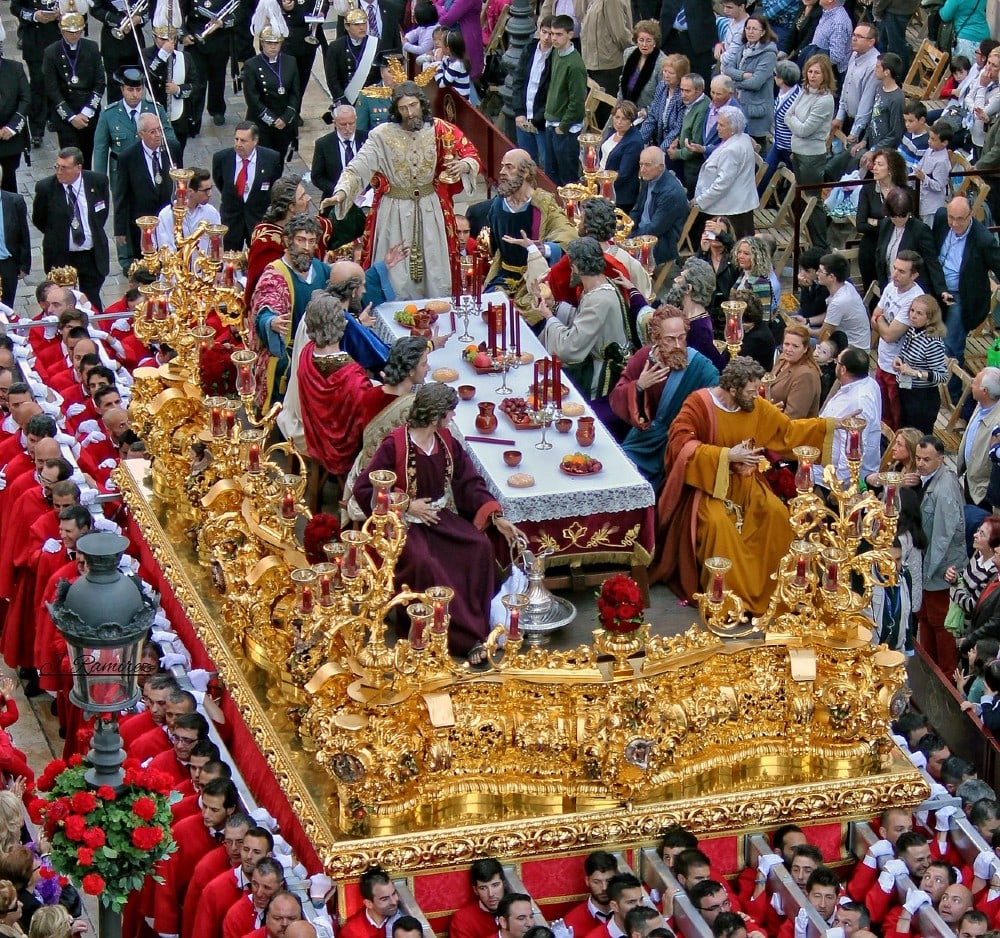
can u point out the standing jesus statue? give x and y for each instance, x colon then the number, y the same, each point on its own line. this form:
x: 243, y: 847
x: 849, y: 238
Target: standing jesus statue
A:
x: 414, y: 163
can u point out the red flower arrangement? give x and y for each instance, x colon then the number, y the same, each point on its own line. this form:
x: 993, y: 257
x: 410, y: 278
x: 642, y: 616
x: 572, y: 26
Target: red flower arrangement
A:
x: 108, y: 841
x: 320, y: 530
x: 218, y: 373
x: 620, y: 605
x: 781, y: 479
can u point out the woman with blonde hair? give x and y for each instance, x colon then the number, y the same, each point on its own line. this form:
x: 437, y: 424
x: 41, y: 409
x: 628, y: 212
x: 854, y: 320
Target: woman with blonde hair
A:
x: 809, y: 119
x: 753, y: 272
x: 53, y: 921
x: 900, y: 456
x: 10, y: 910
x: 663, y: 118
x: 921, y: 365
x: 11, y: 819
x: 796, y: 384
x: 641, y: 69
x: 620, y: 152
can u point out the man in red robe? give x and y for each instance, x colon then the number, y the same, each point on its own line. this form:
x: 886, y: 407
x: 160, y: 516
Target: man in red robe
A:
x: 478, y: 919
x: 247, y: 913
x: 154, y: 698
x: 188, y: 729
x: 414, y: 163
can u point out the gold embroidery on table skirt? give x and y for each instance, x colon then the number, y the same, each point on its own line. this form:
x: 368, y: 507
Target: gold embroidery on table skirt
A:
x: 580, y: 537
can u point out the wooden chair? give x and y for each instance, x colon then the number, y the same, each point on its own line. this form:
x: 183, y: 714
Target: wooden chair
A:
x: 596, y: 96
x: 947, y: 422
x: 496, y: 42
x: 926, y: 73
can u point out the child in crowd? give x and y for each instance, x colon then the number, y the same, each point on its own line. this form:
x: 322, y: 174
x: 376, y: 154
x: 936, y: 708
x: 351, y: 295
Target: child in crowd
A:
x: 439, y: 47
x: 891, y: 608
x: 933, y: 170
x: 981, y: 654
x: 915, y: 136
x: 419, y: 41
x: 454, y: 68
x: 13, y: 762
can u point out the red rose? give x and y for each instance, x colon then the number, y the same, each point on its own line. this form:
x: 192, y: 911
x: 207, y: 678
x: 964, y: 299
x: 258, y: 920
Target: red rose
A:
x: 75, y: 827
x: 93, y: 884
x: 106, y: 792
x: 144, y: 808
x: 84, y: 856
x: 75, y: 760
x: 626, y: 611
x: 94, y: 838
x: 145, y: 838
x: 83, y: 802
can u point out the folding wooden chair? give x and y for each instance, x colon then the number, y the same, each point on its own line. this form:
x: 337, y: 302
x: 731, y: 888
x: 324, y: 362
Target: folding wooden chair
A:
x: 926, y: 73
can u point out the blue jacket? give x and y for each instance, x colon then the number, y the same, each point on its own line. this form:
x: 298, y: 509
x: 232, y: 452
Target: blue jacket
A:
x: 667, y: 216
x: 624, y: 158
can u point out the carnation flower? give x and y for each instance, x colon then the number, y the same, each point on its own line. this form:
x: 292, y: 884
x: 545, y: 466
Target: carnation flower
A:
x: 619, y: 604
x: 94, y: 837
x: 93, y: 884
x: 83, y: 802
x: 144, y: 808
x: 84, y: 856
x: 75, y: 827
x: 145, y: 838
x: 106, y: 792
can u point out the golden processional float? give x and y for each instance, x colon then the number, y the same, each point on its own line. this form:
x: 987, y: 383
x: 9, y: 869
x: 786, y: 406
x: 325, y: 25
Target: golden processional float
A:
x: 391, y: 752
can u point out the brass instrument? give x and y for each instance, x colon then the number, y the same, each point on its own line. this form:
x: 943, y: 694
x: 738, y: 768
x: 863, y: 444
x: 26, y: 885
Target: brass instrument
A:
x: 126, y: 25
x: 217, y: 20
x: 314, y: 28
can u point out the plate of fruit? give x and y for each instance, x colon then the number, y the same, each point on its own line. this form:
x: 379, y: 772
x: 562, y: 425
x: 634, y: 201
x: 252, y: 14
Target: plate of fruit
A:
x: 476, y: 356
x: 580, y: 464
x: 519, y: 413
x: 415, y: 317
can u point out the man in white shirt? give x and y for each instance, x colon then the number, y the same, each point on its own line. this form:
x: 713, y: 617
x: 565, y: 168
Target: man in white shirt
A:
x: 845, y: 310
x: 891, y: 320
x: 857, y: 394
x: 198, y: 210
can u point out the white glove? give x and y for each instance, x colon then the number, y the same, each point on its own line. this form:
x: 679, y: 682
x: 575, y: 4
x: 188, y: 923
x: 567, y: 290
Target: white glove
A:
x: 95, y: 436
x: 801, y: 924
x: 942, y: 818
x: 199, y: 679
x: 320, y: 885
x: 767, y: 862
x: 264, y: 819
x: 918, y: 759
x: 915, y: 898
x: 654, y: 894
x: 836, y: 933
x: 121, y: 325
x: 87, y: 495
x: 87, y: 426
x: 106, y: 524
x: 108, y: 463
x: 984, y: 864
x: 895, y: 867
x: 19, y: 340
x: 939, y: 791
x: 881, y: 848
x: 38, y: 389
x: 778, y: 904
x: 163, y: 637
x: 75, y: 409
x: 173, y: 660
x: 115, y: 346
x: 560, y: 929
x: 21, y: 353
x: 3, y: 478
x: 887, y: 881
x: 52, y: 546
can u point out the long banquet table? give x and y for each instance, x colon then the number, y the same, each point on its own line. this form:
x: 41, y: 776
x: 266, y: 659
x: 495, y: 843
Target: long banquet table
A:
x: 603, y: 518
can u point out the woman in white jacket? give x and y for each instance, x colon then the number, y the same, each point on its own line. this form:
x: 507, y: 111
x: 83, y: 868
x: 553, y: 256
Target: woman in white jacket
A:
x: 809, y: 120
x: 727, y: 180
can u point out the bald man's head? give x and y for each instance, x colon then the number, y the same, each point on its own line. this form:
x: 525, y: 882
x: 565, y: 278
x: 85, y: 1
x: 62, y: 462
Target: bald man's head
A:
x: 25, y: 412
x: 347, y: 283
x: 116, y: 421
x: 517, y: 173
x: 302, y: 929
x: 45, y: 448
x: 651, y: 163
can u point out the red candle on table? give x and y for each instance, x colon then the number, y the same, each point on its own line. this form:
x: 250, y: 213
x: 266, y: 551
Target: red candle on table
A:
x: 325, y: 588
x: 545, y: 382
x: 491, y: 330
x: 590, y: 160
x: 556, y: 382
x: 502, y: 323
x: 800, y: 570
x: 606, y: 189
x: 832, y: 576
x: 718, y: 588
x: 514, y: 630
x: 288, y: 506
x: 351, y: 564
x: 253, y: 457
x: 230, y: 418
x: 218, y: 427
x: 244, y: 384
x: 307, y: 600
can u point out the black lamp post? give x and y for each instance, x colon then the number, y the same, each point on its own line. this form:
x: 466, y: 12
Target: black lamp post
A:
x: 104, y: 618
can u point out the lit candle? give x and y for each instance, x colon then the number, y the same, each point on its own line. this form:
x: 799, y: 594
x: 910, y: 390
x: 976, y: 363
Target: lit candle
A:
x: 215, y: 248
x: 417, y: 633
x: 571, y: 210
x: 149, y: 309
x: 253, y: 457
x: 800, y: 570
x: 306, y: 605
x: 147, y: 242
x: 803, y: 476
x: 644, y: 254
x: 338, y: 572
x: 325, y: 589
x: 438, y: 616
x: 607, y: 189
x: 228, y: 274
x: 590, y: 159
x: 288, y: 506
x: 556, y: 382
x: 762, y: 390
x: 182, y: 190
x: 854, y: 445
x: 381, y: 502
x: 891, y: 500
x: 514, y: 629
x: 244, y: 381
x: 351, y: 563
x: 830, y: 582
x: 229, y: 417
x: 161, y: 309
x: 218, y: 427
x: 718, y: 588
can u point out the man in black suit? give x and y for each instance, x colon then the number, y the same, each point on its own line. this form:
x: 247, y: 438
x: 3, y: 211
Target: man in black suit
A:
x: 334, y: 151
x: 352, y: 60
x: 688, y: 27
x: 243, y: 174
x: 37, y: 28
x: 74, y: 82
x: 71, y: 210
x: 142, y: 184
x: 967, y: 252
x: 177, y: 84
x: 14, y: 104
x: 15, y: 244
x: 384, y: 18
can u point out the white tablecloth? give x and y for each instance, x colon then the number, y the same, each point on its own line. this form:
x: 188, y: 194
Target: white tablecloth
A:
x: 617, y: 487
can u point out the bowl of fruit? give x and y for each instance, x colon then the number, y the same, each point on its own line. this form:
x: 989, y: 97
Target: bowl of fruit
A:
x: 580, y: 464
x: 418, y: 319
x: 476, y: 356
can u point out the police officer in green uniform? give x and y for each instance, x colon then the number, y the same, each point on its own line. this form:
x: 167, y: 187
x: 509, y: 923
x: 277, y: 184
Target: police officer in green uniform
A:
x: 116, y: 128
x: 373, y: 102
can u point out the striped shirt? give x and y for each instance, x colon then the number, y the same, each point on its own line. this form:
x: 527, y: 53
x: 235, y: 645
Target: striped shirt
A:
x: 972, y: 581
x: 925, y: 353
x: 782, y: 135
x: 454, y: 74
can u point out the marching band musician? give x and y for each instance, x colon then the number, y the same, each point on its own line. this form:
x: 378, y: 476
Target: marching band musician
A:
x: 39, y: 24
x: 351, y: 60
x: 304, y: 37
x: 207, y: 35
x: 271, y: 82
x: 119, y: 47
x: 74, y: 81
x: 176, y: 82
x: 14, y: 104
